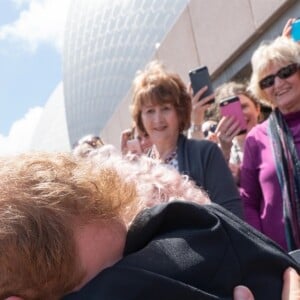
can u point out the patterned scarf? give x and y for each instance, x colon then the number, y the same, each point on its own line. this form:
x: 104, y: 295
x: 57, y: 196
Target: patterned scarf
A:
x: 288, y: 173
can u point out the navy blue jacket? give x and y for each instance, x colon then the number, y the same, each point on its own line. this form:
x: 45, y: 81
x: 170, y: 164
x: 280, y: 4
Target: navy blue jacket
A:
x: 186, y: 251
x: 204, y: 163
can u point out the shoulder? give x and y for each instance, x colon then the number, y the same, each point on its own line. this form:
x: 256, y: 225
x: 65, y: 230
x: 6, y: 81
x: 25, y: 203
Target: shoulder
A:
x: 194, y: 144
x: 175, y: 247
x: 163, y: 219
x: 260, y: 130
x: 258, y: 136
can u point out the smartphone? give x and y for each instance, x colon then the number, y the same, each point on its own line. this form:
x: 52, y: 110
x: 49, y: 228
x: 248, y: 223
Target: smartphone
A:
x: 295, y: 33
x: 199, y: 78
x: 232, y: 107
x: 134, y: 146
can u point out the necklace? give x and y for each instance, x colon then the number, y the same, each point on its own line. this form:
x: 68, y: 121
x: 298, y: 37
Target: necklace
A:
x: 154, y: 154
x: 171, y: 156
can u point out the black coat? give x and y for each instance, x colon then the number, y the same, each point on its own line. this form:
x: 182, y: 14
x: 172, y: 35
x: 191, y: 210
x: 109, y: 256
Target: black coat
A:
x: 204, y: 163
x: 182, y: 251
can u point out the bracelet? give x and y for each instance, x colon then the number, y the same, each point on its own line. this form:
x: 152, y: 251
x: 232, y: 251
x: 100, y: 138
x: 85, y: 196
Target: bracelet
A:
x: 196, y: 127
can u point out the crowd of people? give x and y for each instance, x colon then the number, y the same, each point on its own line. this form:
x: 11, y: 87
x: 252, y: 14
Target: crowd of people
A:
x: 190, y: 207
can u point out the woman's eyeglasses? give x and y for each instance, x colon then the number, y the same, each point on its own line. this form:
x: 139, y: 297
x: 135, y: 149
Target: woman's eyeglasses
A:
x: 212, y: 128
x: 283, y: 73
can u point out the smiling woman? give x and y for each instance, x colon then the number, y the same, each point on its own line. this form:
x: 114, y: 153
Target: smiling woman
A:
x: 161, y: 107
x: 270, y: 177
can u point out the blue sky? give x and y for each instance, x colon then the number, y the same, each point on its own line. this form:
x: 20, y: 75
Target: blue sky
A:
x: 31, y: 42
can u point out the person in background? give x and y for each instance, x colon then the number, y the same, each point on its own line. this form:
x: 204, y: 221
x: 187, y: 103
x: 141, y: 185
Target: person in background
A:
x: 92, y: 224
x: 209, y: 130
x: 231, y: 143
x: 226, y: 133
x: 87, y: 143
x: 270, y: 175
x: 141, y: 137
x: 162, y: 106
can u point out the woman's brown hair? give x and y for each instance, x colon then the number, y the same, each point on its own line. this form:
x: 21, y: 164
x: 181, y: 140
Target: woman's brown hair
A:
x: 156, y: 85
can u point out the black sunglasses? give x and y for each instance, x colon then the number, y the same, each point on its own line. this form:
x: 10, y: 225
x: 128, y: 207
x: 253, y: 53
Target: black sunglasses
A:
x: 283, y: 73
x: 212, y: 128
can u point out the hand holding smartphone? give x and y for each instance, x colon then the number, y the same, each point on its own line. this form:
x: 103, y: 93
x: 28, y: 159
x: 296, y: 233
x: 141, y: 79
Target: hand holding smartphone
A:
x: 199, y: 78
x: 231, y: 107
x: 134, y: 146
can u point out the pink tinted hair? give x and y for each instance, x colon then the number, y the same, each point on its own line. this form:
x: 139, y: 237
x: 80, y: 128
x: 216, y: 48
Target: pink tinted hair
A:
x: 155, y: 183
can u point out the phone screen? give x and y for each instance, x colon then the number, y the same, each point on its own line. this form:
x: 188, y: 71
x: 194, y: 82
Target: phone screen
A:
x: 295, y: 33
x: 232, y: 107
x: 199, y: 78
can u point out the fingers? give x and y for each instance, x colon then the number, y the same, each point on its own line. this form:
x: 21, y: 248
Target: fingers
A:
x: 199, y: 94
x: 126, y: 132
x: 227, y: 129
x: 212, y: 137
x: 125, y: 136
x: 291, y: 288
x: 196, y: 96
x: 207, y: 100
x: 242, y: 293
x: 291, y: 285
x: 190, y: 90
x: 199, y: 107
x: 287, y: 27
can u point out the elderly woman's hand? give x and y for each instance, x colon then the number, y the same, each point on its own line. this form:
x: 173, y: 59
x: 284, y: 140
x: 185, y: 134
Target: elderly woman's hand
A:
x: 199, y: 107
x: 288, y: 27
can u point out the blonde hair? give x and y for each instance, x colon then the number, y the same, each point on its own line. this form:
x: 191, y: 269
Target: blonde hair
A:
x: 233, y: 88
x: 156, y: 85
x: 281, y: 51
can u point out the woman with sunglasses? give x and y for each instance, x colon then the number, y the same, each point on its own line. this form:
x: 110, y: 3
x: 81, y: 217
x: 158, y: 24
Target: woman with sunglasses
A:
x: 270, y: 173
x: 209, y: 130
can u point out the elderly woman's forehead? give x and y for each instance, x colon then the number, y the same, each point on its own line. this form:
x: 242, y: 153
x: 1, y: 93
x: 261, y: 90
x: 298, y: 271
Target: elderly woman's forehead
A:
x: 273, y: 66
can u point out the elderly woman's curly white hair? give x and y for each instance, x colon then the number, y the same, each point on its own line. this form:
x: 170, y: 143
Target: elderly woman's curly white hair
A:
x: 155, y: 182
